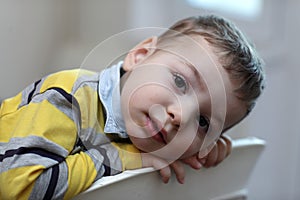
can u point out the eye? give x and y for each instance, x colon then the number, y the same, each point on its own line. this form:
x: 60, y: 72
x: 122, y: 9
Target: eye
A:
x: 180, y: 82
x: 203, y: 123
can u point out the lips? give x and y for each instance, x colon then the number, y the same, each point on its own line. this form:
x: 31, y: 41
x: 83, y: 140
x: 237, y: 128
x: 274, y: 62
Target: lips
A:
x: 158, y: 134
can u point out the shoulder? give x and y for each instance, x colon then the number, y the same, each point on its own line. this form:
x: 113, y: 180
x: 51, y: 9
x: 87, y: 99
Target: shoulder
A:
x: 69, y: 80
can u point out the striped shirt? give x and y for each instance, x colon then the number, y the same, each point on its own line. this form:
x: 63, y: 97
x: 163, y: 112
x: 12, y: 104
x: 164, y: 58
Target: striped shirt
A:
x: 57, y: 136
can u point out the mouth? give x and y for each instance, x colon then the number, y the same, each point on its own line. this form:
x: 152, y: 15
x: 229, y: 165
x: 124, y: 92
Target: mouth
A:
x: 159, y: 137
x: 157, y: 133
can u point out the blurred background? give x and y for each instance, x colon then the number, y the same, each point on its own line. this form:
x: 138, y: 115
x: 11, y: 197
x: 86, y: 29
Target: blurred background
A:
x: 38, y: 37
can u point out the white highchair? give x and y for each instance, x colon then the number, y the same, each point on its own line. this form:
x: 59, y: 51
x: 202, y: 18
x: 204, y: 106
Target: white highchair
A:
x: 226, y: 181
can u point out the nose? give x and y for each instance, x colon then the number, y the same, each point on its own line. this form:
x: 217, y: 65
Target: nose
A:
x: 175, y: 114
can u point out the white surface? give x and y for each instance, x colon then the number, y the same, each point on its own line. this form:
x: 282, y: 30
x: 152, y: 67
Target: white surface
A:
x: 226, y: 180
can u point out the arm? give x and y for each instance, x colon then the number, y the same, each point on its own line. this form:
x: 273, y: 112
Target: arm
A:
x: 37, y: 135
x: 37, y: 138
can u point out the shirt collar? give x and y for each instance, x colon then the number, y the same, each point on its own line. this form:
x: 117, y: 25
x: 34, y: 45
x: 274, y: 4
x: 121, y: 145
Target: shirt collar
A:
x: 109, y: 93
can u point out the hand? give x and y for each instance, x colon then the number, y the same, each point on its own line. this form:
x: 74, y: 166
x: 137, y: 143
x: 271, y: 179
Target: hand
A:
x: 219, y: 152
x: 164, y: 167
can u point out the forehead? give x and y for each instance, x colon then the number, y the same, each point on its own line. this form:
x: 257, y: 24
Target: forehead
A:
x: 194, y: 51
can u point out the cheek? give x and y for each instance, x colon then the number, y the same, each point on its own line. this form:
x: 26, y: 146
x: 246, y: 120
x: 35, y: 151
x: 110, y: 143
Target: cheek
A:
x: 144, y: 144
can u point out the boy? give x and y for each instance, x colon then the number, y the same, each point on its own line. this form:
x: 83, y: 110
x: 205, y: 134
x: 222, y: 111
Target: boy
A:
x: 172, y: 97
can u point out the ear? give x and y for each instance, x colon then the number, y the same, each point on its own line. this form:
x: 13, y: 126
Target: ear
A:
x: 139, y: 53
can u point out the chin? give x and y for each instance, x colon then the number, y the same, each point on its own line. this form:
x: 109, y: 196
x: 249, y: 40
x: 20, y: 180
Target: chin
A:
x: 145, y: 145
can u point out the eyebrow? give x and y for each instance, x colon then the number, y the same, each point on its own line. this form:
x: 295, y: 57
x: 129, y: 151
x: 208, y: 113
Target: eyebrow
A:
x: 198, y: 75
x: 202, y: 83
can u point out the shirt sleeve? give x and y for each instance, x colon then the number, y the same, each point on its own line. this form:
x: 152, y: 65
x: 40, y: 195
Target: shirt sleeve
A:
x: 37, y: 135
x: 38, y: 132
x: 130, y: 156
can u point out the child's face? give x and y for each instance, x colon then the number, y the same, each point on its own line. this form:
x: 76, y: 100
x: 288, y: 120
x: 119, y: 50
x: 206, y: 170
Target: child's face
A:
x: 170, y: 106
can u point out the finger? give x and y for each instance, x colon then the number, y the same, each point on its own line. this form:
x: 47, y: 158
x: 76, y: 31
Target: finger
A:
x: 159, y: 164
x: 165, y: 174
x: 164, y: 169
x: 212, y: 157
x: 202, y: 157
x: 222, y: 151
x: 179, y: 171
x: 193, y: 162
x: 203, y: 160
x: 228, y: 142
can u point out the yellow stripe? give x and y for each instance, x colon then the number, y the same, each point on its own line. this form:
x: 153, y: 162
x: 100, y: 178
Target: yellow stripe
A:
x: 64, y: 79
x: 18, y: 183
x: 10, y: 105
x: 91, y: 109
x: 79, y: 178
x: 129, y: 155
x: 37, y: 119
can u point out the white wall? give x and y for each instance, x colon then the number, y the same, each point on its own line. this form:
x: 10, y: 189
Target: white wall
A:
x: 41, y: 36
x: 277, y: 117
x: 30, y: 31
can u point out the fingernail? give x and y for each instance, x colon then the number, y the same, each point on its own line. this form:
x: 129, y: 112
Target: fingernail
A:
x: 199, y: 165
x: 165, y: 179
x: 203, y: 161
x: 181, y: 180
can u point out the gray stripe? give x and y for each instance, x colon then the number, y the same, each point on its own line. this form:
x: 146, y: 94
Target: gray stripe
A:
x: 33, y: 141
x: 114, y: 160
x: 98, y: 162
x: 62, y: 183
x: 41, y: 185
x: 95, y: 141
x: 25, y: 94
x: 25, y: 160
x: 93, y: 137
x: 112, y: 155
x: 28, y: 90
x: 57, y: 100
x: 90, y: 80
x: 29, y: 159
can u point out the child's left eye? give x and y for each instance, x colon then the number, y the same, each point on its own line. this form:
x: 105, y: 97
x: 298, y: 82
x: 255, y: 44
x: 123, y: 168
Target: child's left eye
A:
x: 203, y: 123
x: 180, y: 82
